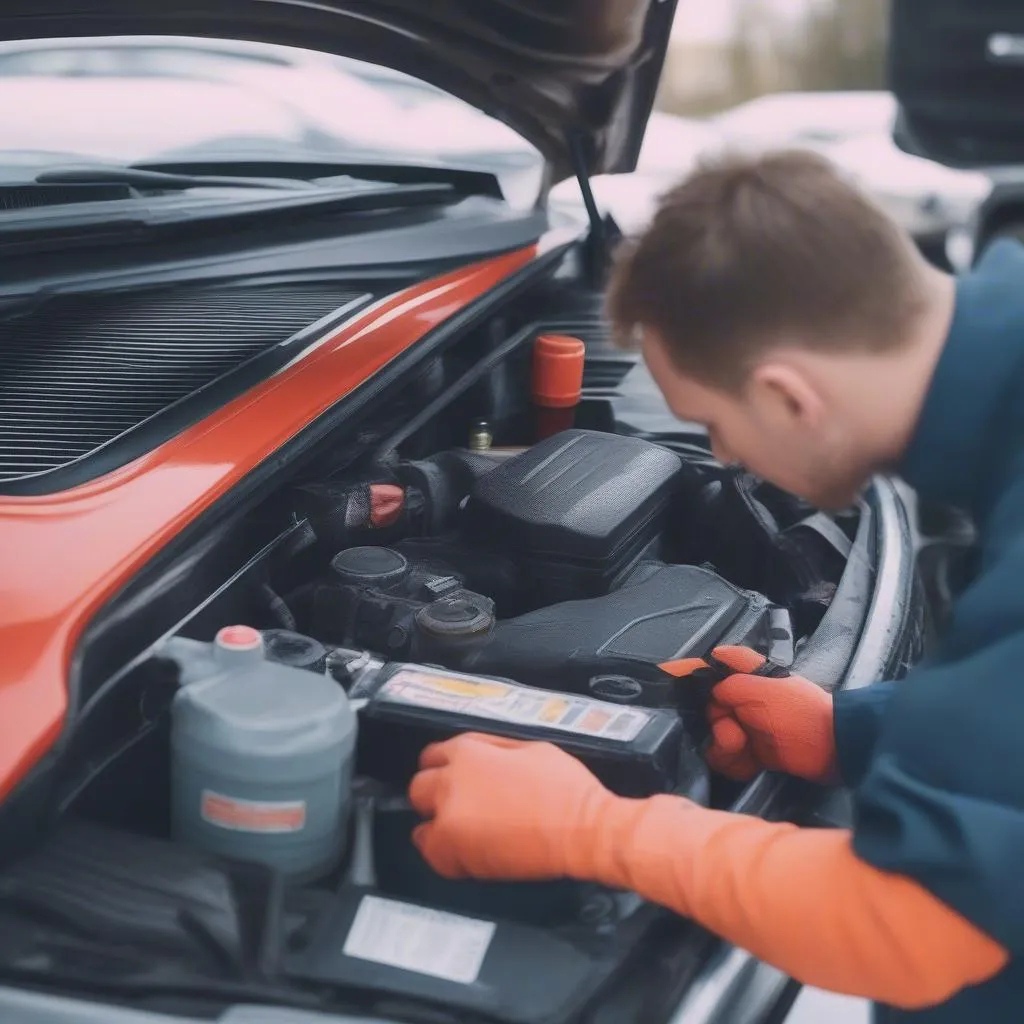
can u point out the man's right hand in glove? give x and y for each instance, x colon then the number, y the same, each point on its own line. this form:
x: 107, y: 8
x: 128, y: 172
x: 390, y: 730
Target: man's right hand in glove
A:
x: 759, y: 723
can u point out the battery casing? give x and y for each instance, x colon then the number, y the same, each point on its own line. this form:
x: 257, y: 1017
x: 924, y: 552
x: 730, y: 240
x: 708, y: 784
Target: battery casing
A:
x: 635, y: 751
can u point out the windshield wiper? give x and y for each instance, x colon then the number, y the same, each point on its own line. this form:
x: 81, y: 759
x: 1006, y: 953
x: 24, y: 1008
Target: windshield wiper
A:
x: 139, y: 177
x: 310, y: 167
x: 35, y: 223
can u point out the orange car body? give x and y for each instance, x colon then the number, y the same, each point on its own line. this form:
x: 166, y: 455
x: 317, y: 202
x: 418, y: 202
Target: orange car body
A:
x: 63, y: 555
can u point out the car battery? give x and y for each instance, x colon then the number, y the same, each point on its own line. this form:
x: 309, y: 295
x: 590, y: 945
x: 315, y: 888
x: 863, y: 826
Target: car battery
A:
x: 634, y: 751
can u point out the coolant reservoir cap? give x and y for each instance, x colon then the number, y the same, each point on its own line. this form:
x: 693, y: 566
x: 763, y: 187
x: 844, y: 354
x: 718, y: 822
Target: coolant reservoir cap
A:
x: 235, y: 643
x: 239, y: 638
x: 370, y: 566
x: 454, y: 616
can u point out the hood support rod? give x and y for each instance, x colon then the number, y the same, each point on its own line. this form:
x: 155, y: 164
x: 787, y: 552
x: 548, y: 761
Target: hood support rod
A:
x: 597, y: 240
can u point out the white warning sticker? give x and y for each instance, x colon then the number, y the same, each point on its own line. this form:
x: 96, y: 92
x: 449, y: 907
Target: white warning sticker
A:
x: 507, y: 702
x: 411, y: 938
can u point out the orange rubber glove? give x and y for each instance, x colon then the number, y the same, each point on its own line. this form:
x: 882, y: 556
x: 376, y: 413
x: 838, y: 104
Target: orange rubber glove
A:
x: 798, y: 899
x: 760, y: 723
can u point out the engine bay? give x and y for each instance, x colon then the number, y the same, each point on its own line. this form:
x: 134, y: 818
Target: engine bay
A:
x: 229, y: 822
x: 546, y: 567
x: 252, y: 830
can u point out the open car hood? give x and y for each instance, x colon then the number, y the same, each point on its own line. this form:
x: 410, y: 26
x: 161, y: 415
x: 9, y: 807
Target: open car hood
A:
x: 957, y: 69
x: 563, y: 73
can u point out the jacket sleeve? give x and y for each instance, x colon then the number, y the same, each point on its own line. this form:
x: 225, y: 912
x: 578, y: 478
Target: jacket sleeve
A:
x: 858, y: 718
x: 797, y: 898
x: 943, y: 799
x: 925, y: 896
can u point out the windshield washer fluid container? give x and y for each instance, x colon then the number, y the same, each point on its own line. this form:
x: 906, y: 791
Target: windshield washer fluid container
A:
x: 262, y: 757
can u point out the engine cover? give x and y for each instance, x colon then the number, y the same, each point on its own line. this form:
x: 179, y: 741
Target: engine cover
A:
x: 662, y: 613
x: 555, y: 576
x: 576, y: 512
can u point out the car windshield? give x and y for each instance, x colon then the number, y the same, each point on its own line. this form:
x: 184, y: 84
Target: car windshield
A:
x: 151, y: 99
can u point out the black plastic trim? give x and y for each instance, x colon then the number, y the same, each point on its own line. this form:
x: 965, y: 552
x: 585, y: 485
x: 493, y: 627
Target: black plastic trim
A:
x: 168, y: 423
x: 419, y: 242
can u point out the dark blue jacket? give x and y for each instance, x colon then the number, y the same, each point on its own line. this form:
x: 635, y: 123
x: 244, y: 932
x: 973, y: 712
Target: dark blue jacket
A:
x: 936, y: 761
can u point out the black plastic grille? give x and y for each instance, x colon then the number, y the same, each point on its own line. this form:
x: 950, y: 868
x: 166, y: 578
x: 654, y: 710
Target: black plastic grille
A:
x: 606, y: 373
x: 82, y: 372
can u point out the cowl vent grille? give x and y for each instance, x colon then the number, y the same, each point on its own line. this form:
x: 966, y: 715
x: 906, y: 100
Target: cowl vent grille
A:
x: 30, y: 197
x: 82, y: 373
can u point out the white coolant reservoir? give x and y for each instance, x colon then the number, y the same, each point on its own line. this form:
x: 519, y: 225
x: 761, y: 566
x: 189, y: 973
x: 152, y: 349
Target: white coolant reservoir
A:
x: 262, y: 757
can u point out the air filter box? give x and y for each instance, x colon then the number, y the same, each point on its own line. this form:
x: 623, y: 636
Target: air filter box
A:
x: 576, y: 511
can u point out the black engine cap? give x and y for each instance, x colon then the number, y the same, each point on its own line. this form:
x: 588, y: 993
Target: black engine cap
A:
x: 370, y: 566
x: 454, y: 616
x: 616, y: 689
x: 295, y: 649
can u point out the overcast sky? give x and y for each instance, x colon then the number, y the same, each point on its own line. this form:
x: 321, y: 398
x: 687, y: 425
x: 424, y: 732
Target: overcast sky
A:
x: 710, y: 20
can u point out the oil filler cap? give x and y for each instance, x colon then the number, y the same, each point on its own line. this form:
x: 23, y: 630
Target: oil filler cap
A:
x: 370, y: 567
x: 616, y: 689
x: 454, y: 617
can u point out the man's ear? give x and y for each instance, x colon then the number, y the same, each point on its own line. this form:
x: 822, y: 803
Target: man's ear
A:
x: 783, y: 391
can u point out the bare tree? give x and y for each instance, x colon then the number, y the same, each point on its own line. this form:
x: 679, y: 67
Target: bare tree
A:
x: 842, y: 45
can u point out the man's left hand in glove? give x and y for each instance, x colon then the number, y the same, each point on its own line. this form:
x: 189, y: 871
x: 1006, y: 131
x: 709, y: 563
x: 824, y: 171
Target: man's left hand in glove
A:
x: 796, y: 898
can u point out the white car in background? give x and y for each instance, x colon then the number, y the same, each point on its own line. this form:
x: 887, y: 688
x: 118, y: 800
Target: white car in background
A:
x: 932, y: 202
x: 672, y: 148
x: 854, y: 129
x: 806, y: 120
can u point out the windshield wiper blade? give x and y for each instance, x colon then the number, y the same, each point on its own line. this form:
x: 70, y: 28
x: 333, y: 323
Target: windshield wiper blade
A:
x: 141, y: 178
x: 144, y: 220
x: 310, y: 167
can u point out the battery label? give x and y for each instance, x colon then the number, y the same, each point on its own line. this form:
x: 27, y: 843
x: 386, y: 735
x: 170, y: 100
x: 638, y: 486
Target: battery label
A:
x: 521, y: 705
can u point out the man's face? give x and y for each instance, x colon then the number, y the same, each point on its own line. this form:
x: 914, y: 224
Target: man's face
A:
x: 776, y: 435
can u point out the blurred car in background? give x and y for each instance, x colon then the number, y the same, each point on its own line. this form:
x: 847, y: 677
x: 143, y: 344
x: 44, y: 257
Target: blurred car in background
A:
x: 958, y: 86
x: 807, y: 120
x: 855, y: 130
x: 1000, y: 215
x: 932, y: 202
x: 937, y: 205
x: 671, y: 150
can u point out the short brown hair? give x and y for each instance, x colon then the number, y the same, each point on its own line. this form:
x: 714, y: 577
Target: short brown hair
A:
x: 750, y: 250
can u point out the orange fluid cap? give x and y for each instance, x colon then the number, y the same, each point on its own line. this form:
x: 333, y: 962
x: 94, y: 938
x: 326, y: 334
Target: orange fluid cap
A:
x: 239, y: 638
x: 386, y: 504
x: 557, y: 370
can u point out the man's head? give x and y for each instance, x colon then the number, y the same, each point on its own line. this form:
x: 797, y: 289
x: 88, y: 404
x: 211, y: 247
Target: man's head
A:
x: 779, y: 307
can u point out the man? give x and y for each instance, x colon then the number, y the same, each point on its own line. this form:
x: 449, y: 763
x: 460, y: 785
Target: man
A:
x: 777, y: 306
